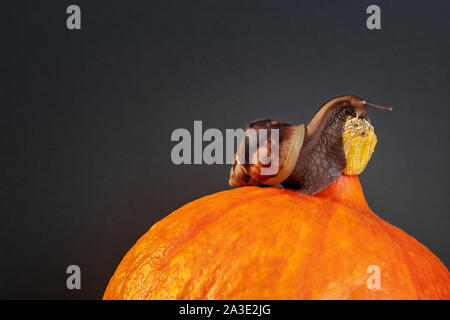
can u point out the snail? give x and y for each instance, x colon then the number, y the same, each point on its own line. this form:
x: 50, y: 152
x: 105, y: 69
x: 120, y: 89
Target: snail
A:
x: 311, y: 157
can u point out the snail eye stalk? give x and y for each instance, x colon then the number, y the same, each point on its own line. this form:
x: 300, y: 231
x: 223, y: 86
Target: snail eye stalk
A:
x: 371, y: 105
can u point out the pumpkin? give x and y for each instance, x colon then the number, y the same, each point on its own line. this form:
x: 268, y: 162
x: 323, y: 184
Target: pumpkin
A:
x: 321, y: 242
x: 273, y: 243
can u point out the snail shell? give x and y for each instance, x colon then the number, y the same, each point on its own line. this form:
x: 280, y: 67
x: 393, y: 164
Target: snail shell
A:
x: 288, y: 145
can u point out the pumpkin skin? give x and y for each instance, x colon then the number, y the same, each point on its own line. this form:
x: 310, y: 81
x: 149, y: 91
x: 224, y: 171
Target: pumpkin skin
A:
x: 273, y: 243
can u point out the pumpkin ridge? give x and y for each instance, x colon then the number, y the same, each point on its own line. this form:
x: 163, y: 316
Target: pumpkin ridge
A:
x: 316, y: 254
x: 136, y: 266
x: 392, y: 234
x: 236, y: 203
x: 275, y: 192
x: 397, y: 234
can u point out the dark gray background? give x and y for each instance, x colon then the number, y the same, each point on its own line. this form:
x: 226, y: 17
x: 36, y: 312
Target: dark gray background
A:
x: 87, y: 116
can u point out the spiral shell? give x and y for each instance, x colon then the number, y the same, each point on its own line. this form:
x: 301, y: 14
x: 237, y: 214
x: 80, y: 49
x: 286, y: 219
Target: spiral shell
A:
x: 257, y: 152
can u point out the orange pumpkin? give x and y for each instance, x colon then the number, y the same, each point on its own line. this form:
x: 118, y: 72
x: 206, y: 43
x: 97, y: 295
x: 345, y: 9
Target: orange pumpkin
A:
x: 272, y: 243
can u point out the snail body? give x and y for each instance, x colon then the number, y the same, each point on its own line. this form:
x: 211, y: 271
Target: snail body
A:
x: 310, y: 157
